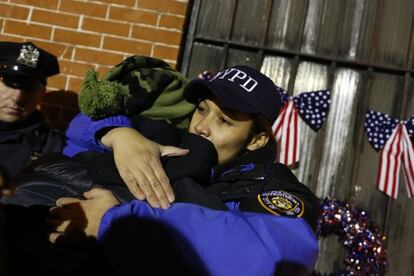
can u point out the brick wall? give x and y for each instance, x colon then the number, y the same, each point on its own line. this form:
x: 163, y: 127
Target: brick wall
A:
x: 86, y: 34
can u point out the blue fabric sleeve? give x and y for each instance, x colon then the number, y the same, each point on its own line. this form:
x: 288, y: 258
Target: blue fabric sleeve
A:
x: 81, y: 133
x: 228, y: 242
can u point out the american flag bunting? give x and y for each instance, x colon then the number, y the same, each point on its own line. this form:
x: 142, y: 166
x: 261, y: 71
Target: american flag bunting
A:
x: 312, y: 108
x: 394, y: 139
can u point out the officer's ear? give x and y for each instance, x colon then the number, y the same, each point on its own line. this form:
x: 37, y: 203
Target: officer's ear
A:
x: 260, y: 133
x: 258, y: 141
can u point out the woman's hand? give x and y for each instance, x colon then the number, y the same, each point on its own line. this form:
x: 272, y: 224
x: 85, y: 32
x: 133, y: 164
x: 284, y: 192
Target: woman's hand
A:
x: 138, y: 161
x: 72, y: 215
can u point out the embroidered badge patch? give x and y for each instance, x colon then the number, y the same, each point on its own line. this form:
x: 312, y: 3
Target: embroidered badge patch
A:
x: 281, y: 203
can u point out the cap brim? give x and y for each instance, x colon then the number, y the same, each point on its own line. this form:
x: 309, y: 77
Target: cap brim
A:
x: 199, y: 89
x: 21, y: 81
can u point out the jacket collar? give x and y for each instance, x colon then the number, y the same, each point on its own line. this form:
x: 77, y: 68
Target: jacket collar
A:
x: 253, y: 165
x: 13, y: 131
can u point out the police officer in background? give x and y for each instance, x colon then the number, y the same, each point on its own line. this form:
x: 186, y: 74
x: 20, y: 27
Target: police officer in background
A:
x: 24, y: 69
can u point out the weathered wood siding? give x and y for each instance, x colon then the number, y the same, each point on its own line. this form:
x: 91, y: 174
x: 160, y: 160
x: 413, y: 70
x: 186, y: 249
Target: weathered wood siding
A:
x: 360, y: 49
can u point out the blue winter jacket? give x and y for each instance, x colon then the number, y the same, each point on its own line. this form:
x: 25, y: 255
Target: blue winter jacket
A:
x: 82, y: 130
x: 226, y: 242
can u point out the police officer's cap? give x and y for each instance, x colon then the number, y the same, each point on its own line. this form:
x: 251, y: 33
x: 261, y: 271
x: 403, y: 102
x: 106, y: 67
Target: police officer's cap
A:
x: 25, y: 66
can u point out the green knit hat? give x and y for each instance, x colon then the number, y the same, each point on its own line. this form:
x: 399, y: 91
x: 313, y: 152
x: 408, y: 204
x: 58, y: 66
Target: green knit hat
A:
x: 138, y: 85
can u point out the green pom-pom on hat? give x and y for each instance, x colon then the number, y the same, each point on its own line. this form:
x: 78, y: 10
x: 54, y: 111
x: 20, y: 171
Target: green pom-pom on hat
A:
x: 98, y: 99
x: 138, y: 85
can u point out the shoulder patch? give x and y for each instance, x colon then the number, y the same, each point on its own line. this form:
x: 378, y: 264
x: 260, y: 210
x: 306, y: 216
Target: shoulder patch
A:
x: 281, y: 203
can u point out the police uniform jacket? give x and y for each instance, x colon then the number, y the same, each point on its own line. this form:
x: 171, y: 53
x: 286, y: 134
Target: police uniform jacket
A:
x: 20, y: 143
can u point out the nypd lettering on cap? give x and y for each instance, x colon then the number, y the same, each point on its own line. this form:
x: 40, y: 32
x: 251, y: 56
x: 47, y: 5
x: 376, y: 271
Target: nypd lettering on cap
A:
x: 237, y: 76
x: 281, y: 203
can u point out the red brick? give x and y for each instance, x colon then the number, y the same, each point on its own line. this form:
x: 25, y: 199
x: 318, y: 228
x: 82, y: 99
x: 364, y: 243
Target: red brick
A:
x: 171, y: 21
x: 169, y: 6
x: 102, y: 70
x: 54, y: 18
x: 164, y: 52
x: 129, y: 3
x: 10, y: 38
x: 127, y: 46
x: 100, y: 57
x: 67, y: 52
x: 75, y: 84
x: 105, y: 26
x: 77, y: 38
x: 49, y: 4
x: 85, y: 8
x: 56, y: 82
x: 74, y: 68
x: 156, y: 35
x: 133, y: 15
x: 27, y: 30
x: 145, y: 33
x: 15, y: 12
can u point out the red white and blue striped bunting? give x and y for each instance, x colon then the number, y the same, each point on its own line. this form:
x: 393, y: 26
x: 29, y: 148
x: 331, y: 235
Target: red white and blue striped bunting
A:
x: 312, y: 108
x: 394, y: 139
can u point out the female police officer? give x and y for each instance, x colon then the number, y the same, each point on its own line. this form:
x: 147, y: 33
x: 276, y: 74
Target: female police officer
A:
x: 235, y: 111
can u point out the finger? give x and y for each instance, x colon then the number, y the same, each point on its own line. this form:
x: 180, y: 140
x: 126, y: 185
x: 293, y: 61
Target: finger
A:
x: 173, y: 151
x: 66, y: 200
x: 7, y: 192
x: 57, y: 212
x: 63, y: 213
x: 53, y: 209
x: 131, y: 181
x: 164, y: 181
x: 58, y: 225
x: 159, y: 183
x: 145, y: 185
x: 54, y: 236
x: 69, y: 238
x: 95, y: 192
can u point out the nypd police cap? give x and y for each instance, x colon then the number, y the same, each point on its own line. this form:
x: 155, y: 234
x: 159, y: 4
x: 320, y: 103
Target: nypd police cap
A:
x: 240, y: 88
x: 25, y: 66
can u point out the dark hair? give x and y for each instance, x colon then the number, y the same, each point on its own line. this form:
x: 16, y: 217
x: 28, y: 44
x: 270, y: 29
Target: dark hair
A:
x: 260, y: 124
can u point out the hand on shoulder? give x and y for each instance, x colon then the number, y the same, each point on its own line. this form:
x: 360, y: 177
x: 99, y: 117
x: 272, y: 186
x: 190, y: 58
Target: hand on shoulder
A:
x: 138, y: 160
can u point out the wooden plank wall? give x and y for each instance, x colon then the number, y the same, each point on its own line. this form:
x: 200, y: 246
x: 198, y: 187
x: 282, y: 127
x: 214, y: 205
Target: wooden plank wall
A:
x: 360, y: 49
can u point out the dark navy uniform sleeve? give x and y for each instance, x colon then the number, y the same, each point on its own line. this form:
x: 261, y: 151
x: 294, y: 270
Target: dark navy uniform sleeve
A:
x: 284, y: 195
